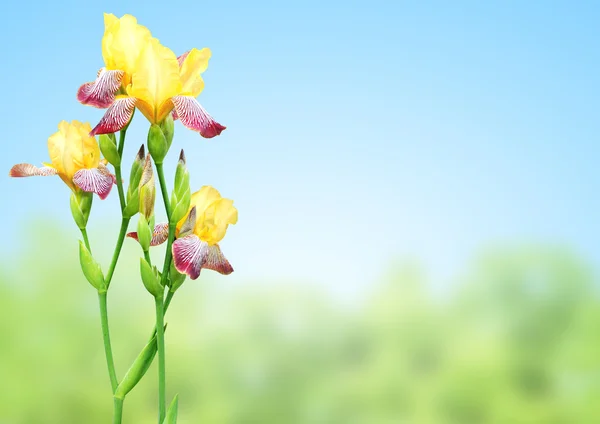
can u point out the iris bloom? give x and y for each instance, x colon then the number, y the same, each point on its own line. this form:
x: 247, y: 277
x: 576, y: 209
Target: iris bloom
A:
x: 75, y: 158
x: 198, y: 234
x: 149, y: 76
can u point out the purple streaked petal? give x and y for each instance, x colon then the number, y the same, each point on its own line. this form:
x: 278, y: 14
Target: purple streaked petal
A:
x: 96, y: 180
x: 216, y: 261
x: 159, y: 235
x: 116, y: 117
x: 28, y: 170
x: 101, y: 93
x: 193, y: 116
x: 189, y: 255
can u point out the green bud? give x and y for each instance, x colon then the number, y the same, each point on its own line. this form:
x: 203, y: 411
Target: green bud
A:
x: 144, y: 233
x: 81, y: 205
x: 133, y: 205
x: 147, y: 190
x: 136, y: 174
x: 180, y: 206
x: 91, y: 269
x: 168, y: 128
x: 108, y: 147
x: 151, y: 279
x: 157, y: 144
x: 176, y: 278
x: 137, y: 370
x: 182, y: 176
x: 171, y: 417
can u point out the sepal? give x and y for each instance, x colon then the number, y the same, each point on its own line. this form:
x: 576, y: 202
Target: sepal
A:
x: 81, y: 205
x: 168, y: 128
x: 157, y: 144
x: 91, y: 269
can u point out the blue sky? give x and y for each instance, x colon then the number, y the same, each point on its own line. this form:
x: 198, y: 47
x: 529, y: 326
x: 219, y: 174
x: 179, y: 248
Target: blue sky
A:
x: 358, y: 133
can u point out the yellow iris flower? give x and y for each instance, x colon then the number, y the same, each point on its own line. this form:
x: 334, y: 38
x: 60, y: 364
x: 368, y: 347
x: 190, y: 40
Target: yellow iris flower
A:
x: 142, y: 73
x: 75, y: 158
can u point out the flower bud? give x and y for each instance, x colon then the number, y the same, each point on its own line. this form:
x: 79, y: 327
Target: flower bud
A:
x: 91, y: 269
x: 147, y: 190
x: 144, y: 233
x: 81, y: 205
x: 133, y: 198
x: 180, y: 198
x: 168, y: 128
x: 108, y: 147
x: 151, y: 279
x: 157, y: 144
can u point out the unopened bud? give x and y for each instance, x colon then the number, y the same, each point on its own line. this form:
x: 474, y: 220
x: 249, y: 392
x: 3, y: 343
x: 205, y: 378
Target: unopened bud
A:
x: 147, y: 190
x: 108, y: 147
x: 133, y: 198
x: 91, y: 269
x: 157, y: 144
x: 144, y: 233
x: 151, y: 279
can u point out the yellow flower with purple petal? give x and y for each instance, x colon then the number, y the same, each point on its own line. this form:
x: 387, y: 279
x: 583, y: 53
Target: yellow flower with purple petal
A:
x: 75, y: 158
x: 122, y: 43
x: 142, y: 73
x: 200, y: 232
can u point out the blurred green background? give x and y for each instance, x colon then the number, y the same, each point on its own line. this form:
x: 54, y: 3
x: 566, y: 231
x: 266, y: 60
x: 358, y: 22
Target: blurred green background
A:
x: 516, y: 339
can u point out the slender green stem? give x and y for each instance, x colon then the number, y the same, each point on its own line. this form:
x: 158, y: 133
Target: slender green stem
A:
x: 86, y: 241
x: 147, y: 257
x: 118, y: 411
x: 160, y: 344
x: 117, y: 252
x: 106, y: 337
x: 118, y: 176
x: 163, y: 189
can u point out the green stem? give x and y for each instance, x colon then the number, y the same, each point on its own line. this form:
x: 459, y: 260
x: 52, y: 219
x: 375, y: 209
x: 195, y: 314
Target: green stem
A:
x: 147, y: 257
x: 120, y: 148
x: 118, y: 411
x: 106, y: 337
x: 117, y: 252
x: 160, y: 344
x: 163, y: 189
x: 86, y: 241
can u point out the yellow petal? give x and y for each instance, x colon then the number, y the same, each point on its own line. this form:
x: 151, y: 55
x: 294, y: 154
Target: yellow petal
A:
x: 155, y: 81
x: 201, y: 200
x: 194, y: 64
x: 72, y: 149
x: 212, y: 226
x: 123, y: 41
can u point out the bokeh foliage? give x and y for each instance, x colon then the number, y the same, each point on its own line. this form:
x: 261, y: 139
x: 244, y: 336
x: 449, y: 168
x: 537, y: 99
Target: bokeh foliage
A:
x: 515, y: 339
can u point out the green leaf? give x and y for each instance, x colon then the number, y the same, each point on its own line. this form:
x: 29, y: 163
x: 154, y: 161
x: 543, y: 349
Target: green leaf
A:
x: 91, y: 269
x: 137, y: 370
x: 171, y: 417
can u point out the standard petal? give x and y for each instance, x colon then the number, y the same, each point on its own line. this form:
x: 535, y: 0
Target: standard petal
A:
x: 101, y: 93
x: 96, y: 180
x: 189, y: 255
x: 28, y: 170
x: 216, y: 261
x: 159, y: 235
x: 180, y: 59
x: 192, y: 115
x: 116, y: 117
